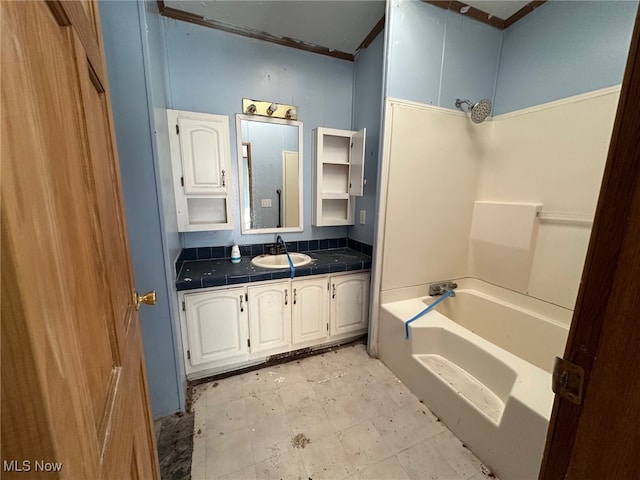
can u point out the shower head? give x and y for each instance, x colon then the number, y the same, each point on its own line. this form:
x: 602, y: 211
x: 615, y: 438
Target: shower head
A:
x: 479, y: 111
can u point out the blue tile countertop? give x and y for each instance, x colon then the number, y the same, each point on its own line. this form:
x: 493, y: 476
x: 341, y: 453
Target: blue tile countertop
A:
x: 219, y: 272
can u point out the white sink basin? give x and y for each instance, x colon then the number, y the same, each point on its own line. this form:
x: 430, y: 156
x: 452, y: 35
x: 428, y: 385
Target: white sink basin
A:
x: 280, y: 261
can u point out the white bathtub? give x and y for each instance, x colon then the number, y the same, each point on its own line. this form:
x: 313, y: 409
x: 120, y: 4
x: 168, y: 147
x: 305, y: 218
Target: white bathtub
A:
x: 481, y: 361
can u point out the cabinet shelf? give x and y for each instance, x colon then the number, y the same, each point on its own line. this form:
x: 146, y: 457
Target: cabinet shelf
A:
x: 335, y: 196
x: 336, y: 211
x: 335, y: 178
x: 203, y: 211
x: 335, y: 162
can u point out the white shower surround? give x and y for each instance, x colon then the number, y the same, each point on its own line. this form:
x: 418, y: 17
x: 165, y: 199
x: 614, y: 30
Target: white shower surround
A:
x: 431, y: 175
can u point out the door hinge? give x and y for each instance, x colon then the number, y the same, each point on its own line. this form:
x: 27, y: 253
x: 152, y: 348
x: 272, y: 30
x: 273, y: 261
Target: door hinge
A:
x: 249, y: 342
x: 327, y: 327
x: 182, y: 181
x: 568, y: 380
x: 188, y: 354
x: 177, y: 129
x: 184, y: 309
x: 328, y: 286
x: 246, y: 297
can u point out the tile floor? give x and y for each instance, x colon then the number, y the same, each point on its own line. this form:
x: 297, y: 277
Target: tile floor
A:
x: 339, y: 415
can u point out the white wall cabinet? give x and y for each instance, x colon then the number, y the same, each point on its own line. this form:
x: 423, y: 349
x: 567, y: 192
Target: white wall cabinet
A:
x: 215, y: 328
x: 338, y: 175
x: 200, y: 158
x: 270, y: 317
x: 349, y: 304
x: 228, y: 328
x: 310, y: 311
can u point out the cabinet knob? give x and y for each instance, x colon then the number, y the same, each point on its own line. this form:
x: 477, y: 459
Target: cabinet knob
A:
x: 333, y: 294
x: 148, y: 298
x: 295, y: 296
x: 241, y: 303
x: 223, y: 179
x: 286, y: 297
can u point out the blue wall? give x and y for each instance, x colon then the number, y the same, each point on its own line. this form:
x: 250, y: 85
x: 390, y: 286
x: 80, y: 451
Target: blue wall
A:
x: 367, y: 112
x: 211, y: 71
x: 436, y: 55
x: 562, y: 49
x: 150, y: 237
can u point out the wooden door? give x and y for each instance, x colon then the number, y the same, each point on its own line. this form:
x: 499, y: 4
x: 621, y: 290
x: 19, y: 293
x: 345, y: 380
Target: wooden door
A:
x: 310, y: 311
x: 217, y: 325
x: 270, y: 318
x: 74, y: 389
x: 349, y: 304
x: 600, y: 438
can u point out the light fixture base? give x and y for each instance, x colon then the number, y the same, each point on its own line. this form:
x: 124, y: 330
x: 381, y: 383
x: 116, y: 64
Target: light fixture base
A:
x: 259, y: 107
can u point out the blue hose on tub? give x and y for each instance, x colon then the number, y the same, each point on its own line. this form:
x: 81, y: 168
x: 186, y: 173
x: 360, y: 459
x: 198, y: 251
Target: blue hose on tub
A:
x: 448, y: 293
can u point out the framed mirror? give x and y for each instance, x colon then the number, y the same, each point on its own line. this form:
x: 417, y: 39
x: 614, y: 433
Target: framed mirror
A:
x: 270, y: 174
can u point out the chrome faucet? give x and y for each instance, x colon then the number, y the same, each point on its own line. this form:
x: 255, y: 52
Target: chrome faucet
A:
x: 442, y: 288
x: 279, y: 247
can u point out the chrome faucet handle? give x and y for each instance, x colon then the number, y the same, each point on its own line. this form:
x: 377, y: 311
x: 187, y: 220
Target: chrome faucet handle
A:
x: 442, y: 288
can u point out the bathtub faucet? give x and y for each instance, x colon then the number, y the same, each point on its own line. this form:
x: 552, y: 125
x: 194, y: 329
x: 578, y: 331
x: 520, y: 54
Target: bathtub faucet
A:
x: 442, y: 288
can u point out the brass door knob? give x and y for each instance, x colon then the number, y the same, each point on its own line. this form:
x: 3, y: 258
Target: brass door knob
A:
x: 149, y: 298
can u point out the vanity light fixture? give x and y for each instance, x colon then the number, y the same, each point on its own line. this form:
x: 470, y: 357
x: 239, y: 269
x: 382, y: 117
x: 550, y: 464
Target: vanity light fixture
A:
x: 269, y: 109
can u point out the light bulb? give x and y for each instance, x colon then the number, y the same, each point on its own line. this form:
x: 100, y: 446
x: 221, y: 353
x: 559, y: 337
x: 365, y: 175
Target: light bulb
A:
x: 251, y: 109
x: 292, y: 113
x: 272, y: 108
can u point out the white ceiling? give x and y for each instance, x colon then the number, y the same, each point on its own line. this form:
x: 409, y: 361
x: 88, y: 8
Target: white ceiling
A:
x: 335, y: 24
x: 498, y: 8
x: 338, y: 25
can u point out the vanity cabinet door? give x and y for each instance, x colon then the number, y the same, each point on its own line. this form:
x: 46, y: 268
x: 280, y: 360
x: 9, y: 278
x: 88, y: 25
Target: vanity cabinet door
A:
x: 270, y: 318
x: 216, y: 327
x: 349, y: 304
x: 310, y: 311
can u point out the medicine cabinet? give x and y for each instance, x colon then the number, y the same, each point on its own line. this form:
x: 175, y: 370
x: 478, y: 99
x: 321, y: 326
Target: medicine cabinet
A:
x: 200, y: 159
x: 338, y: 175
